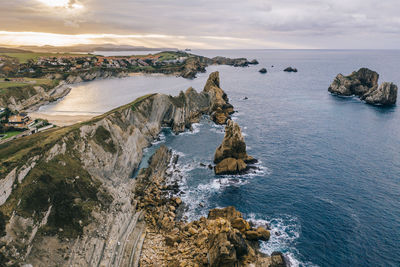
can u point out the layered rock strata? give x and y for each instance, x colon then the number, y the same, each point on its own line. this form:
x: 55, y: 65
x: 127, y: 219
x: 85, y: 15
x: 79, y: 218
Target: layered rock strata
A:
x: 231, y: 156
x: 222, y: 239
x: 364, y: 84
x: 67, y: 197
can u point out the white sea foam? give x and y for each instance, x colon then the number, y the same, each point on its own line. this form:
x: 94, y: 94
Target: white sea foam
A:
x: 195, y: 129
x: 160, y: 139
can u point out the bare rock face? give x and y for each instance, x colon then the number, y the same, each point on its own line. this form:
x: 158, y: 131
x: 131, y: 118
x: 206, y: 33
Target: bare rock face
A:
x: 364, y: 84
x: 231, y: 156
x: 386, y: 94
x: 221, y: 109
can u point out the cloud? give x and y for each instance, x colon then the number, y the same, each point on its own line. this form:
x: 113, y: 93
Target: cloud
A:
x: 287, y: 23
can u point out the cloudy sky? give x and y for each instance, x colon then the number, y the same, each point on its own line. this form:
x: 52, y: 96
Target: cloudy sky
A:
x: 204, y: 23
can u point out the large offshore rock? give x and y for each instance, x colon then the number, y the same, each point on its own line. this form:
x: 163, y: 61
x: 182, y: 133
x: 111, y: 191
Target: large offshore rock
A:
x: 386, y: 94
x: 364, y: 84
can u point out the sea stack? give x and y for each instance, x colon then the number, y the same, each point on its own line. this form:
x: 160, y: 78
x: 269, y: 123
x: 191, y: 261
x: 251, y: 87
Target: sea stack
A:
x: 231, y: 156
x: 221, y: 109
x: 364, y: 84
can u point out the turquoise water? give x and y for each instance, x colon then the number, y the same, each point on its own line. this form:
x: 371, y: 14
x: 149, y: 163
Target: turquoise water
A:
x: 328, y: 182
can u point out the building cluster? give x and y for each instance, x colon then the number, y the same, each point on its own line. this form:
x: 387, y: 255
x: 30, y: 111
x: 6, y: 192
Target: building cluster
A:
x: 23, y: 123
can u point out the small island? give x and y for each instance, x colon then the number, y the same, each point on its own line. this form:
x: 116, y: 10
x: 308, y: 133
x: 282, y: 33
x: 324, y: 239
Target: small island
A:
x: 364, y: 84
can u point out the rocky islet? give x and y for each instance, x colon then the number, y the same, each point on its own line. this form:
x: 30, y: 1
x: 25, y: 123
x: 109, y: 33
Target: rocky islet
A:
x: 364, y: 84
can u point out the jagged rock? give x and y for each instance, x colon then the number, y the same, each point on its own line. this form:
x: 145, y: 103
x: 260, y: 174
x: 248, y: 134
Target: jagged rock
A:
x: 386, y: 94
x: 221, y: 109
x: 231, y: 156
x: 253, y: 62
x: 364, y: 84
x: 290, y: 69
x: 263, y: 70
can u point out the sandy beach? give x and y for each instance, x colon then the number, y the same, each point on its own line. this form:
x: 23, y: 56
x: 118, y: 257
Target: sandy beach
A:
x: 61, y: 120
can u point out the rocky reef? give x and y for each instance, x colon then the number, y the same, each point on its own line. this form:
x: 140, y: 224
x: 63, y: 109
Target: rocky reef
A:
x: 67, y: 198
x: 364, y: 84
x: 222, y: 239
x: 231, y: 156
x: 290, y: 69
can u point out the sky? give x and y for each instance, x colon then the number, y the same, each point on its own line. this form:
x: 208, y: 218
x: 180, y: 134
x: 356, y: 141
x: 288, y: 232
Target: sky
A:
x: 208, y: 24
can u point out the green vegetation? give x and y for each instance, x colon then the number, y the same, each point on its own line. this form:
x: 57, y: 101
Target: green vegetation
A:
x: 10, y: 134
x: 25, y: 57
x: 4, y: 84
x: 103, y: 138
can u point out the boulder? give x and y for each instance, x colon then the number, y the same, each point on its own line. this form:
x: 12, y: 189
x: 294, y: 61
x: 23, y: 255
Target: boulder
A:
x: 290, y: 69
x: 364, y: 84
x: 263, y: 233
x: 253, y: 62
x: 229, y: 213
x: 241, y: 224
x: 263, y: 70
x: 277, y: 260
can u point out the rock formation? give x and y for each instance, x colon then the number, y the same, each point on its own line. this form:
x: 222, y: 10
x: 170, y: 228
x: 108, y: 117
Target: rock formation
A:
x: 66, y: 196
x: 290, y: 69
x: 222, y: 239
x: 231, y: 156
x: 263, y: 70
x: 364, y: 84
x: 221, y: 109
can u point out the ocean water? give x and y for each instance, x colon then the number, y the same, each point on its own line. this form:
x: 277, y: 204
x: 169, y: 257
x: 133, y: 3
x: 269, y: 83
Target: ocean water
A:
x: 328, y: 182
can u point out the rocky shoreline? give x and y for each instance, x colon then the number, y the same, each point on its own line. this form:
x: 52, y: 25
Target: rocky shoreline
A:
x: 224, y: 238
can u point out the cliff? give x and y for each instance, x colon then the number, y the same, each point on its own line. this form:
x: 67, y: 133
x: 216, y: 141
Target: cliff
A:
x: 67, y: 197
x: 364, y: 84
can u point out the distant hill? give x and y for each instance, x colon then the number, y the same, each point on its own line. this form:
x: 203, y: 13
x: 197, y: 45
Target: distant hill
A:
x: 13, y: 50
x: 88, y: 48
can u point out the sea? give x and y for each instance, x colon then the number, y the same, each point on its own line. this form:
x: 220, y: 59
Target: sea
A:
x: 328, y: 178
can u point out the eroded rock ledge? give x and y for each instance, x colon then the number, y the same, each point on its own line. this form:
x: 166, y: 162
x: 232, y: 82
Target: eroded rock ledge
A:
x: 223, y: 239
x: 231, y: 156
x: 364, y: 84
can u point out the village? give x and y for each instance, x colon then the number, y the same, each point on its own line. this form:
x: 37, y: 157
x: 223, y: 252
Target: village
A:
x: 38, y: 66
x: 15, y: 125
